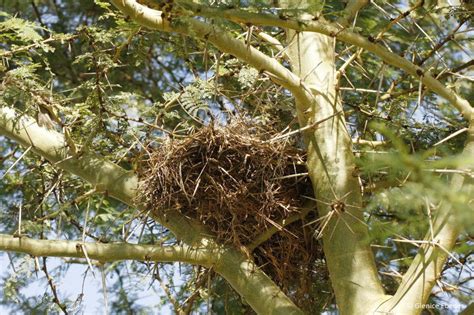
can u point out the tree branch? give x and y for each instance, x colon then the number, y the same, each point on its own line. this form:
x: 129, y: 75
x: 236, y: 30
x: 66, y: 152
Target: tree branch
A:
x: 350, y: 11
x: 272, y: 230
x: 104, y: 175
x: 109, y: 252
x: 331, y: 167
x: 370, y: 143
x: 333, y: 30
x: 418, y: 281
x: 219, y: 38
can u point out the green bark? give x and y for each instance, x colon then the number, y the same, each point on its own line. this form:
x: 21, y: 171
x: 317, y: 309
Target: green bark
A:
x: 332, y: 170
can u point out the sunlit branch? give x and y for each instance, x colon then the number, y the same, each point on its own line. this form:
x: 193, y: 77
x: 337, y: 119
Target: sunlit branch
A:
x: 219, y: 38
x: 108, y: 252
x: 324, y: 27
x: 370, y: 143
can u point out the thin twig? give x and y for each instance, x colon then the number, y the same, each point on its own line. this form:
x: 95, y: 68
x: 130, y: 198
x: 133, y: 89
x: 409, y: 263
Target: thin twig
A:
x: 53, y: 288
x: 312, y: 125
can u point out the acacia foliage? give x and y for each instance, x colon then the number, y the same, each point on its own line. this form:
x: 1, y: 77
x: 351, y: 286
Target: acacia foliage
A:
x: 114, y: 87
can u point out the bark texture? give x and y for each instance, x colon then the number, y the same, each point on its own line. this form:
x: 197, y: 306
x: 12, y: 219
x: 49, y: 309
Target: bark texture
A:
x: 334, y: 175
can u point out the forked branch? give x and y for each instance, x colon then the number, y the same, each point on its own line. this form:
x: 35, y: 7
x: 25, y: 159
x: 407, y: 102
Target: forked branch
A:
x: 341, y: 33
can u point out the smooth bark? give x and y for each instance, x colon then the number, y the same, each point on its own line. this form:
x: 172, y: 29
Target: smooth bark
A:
x: 332, y: 170
x: 340, y: 33
x: 108, y: 252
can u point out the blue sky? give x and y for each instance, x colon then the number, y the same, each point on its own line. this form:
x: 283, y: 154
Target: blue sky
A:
x: 70, y: 285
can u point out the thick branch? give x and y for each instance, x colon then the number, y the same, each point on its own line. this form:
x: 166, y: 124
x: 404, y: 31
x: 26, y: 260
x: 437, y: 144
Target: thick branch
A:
x: 108, y: 252
x: 341, y: 33
x: 219, y: 38
x: 331, y: 167
x: 224, y: 261
x: 418, y: 281
x: 370, y: 143
x: 350, y: 11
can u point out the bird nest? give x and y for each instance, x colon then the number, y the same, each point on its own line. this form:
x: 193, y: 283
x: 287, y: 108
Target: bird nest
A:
x: 248, y: 190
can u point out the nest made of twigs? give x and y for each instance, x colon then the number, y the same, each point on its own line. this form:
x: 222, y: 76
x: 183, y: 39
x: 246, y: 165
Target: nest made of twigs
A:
x: 241, y: 185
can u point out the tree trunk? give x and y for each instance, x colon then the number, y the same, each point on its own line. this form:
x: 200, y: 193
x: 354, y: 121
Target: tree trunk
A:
x: 334, y: 175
